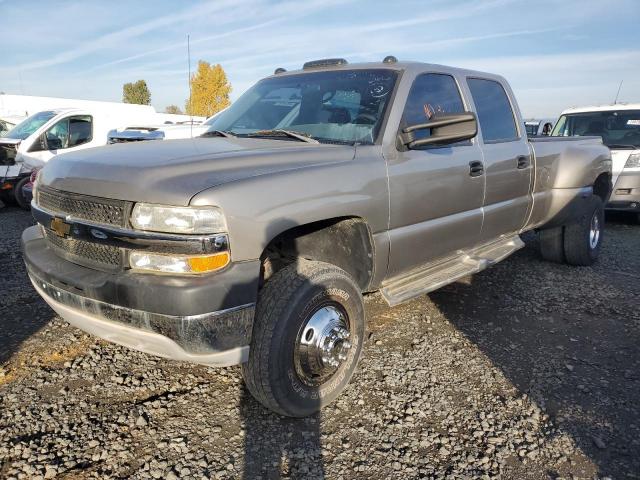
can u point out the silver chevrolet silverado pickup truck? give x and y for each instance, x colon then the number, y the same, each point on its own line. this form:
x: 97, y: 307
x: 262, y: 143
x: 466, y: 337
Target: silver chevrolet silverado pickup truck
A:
x: 254, y: 244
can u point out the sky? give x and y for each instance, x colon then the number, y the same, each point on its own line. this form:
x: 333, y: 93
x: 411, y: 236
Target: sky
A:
x: 555, y: 54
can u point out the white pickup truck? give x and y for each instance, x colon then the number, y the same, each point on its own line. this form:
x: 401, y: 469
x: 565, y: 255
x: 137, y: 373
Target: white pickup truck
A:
x: 619, y: 127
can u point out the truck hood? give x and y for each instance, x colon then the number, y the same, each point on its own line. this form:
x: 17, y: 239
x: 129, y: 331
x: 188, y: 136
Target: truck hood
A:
x: 173, y: 171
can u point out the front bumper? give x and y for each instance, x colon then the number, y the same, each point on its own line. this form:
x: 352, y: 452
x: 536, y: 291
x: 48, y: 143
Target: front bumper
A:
x: 204, y: 319
x: 626, y: 192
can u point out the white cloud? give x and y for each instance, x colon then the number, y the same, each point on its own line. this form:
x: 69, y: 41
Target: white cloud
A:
x: 119, y: 36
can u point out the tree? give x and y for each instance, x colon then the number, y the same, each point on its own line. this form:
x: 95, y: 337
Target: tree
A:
x: 173, y: 109
x: 136, y: 92
x: 209, y: 90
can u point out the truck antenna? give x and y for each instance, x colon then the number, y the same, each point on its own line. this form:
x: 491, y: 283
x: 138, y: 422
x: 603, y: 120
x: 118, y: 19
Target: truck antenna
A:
x: 189, y: 79
x: 617, y: 94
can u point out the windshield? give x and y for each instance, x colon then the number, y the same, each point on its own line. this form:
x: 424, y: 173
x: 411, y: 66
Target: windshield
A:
x: 618, y: 128
x: 29, y: 125
x: 345, y: 106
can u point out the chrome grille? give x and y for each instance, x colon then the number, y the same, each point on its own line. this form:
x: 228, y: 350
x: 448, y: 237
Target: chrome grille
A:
x: 85, y: 207
x: 85, y: 253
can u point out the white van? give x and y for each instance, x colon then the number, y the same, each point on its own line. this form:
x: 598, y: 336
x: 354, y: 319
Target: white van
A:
x: 37, y: 139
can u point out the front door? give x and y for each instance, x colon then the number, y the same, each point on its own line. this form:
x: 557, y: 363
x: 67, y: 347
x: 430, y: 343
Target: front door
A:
x: 436, y: 193
x: 507, y: 160
x: 68, y: 134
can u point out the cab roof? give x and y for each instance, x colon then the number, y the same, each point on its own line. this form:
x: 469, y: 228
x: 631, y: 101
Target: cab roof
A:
x: 603, y: 108
x: 408, y: 66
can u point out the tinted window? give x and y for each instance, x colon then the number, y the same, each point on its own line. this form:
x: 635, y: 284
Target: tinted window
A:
x: 80, y: 130
x: 69, y: 132
x: 617, y: 127
x: 431, y: 94
x: 494, y: 110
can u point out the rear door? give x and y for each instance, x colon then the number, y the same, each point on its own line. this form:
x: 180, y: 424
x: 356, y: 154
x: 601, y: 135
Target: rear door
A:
x: 435, y: 192
x: 507, y: 159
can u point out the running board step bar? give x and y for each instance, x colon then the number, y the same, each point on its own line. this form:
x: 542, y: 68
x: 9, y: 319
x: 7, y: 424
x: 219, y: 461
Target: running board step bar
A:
x: 433, y: 276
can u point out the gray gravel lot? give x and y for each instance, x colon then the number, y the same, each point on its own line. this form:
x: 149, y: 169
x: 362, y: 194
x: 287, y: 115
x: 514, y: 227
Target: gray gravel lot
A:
x: 528, y: 370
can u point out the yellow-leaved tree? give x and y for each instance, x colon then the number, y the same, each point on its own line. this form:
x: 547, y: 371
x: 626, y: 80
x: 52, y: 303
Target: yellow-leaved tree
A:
x: 209, y: 90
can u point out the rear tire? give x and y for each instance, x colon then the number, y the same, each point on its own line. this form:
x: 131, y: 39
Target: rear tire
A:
x: 583, y: 239
x: 307, y: 338
x: 19, y: 195
x: 552, y: 244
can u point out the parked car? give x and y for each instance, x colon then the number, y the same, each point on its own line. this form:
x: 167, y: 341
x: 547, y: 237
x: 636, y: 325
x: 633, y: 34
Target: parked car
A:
x: 539, y: 128
x: 254, y: 244
x: 161, y: 132
x: 40, y: 137
x: 619, y: 127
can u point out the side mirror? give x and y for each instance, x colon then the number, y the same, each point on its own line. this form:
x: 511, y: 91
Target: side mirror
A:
x: 445, y: 129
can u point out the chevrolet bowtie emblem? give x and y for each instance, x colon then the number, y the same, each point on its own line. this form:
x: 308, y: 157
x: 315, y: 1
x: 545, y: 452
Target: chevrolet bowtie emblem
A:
x: 60, y: 227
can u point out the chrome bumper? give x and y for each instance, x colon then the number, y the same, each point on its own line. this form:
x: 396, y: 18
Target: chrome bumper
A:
x: 218, y: 338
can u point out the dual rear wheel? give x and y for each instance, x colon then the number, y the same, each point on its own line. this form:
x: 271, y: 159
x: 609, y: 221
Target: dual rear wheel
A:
x: 579, y: 242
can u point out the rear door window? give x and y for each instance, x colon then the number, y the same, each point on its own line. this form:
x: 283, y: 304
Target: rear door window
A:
x: 495, y: 114
x: 80, y: 130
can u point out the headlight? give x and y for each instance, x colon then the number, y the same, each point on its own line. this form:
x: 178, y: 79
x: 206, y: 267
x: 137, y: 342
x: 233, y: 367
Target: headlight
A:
x: 164, y: 218
x: 155, y: 262
x: 633, y: 161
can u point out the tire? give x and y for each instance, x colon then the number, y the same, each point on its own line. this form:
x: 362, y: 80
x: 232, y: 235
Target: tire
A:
x: 552, y: 244
x: 583, y: 239
x: 19, y: 196
x: 279, y: 371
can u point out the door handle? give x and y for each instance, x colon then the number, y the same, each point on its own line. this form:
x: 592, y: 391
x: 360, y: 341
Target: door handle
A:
x: 476, y: 168
x: 523, y: 162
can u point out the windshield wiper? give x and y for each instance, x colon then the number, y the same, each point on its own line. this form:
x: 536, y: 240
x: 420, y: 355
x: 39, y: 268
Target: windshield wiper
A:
x: 284, y: 133
x: 219, y: 133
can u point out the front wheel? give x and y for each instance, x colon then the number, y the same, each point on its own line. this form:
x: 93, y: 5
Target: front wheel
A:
x: 307, y: 338
x: 21, y: 200
x: 583, y: 239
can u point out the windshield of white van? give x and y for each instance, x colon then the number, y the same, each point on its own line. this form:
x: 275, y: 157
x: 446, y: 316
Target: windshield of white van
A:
x: 345, y: 106
x: 29, y: 125
x: 618, y: 128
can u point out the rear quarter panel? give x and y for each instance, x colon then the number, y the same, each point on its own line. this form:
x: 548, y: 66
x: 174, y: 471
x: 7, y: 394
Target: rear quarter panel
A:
x: 563, y: 168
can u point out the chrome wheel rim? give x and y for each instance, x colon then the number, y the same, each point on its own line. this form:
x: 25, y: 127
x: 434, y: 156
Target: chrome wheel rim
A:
x: 594, y: 231
x: 322, y: 344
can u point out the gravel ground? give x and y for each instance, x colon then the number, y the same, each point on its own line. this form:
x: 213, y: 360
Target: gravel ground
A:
x: 528, y: 370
